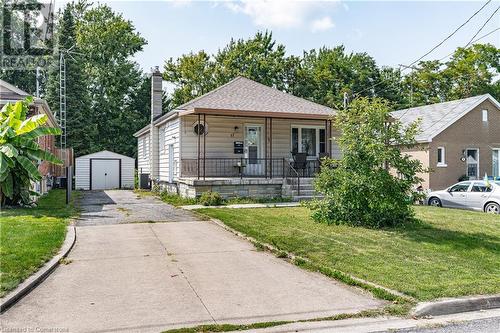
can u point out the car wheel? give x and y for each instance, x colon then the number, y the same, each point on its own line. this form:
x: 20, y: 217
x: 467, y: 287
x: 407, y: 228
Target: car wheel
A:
x: 435, y: 202
x: 492, y: 208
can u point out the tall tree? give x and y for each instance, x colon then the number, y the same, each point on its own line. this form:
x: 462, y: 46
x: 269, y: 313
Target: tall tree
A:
x: 258, y: 58
x: 80, y: 121
x: 109, y: 41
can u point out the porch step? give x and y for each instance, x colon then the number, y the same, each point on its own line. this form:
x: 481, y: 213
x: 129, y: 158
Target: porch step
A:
x: 303, y: 191
x: 306, y: 197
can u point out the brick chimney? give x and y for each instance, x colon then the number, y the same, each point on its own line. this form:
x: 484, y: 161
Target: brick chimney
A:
x: 156, y: 111
x: 156, y: 93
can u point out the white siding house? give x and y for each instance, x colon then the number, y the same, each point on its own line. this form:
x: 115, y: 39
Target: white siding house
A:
x: 104, y: 170
x: 241, y: 139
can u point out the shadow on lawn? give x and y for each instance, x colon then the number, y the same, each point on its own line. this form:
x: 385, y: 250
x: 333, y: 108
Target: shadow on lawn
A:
x: 420, y: 231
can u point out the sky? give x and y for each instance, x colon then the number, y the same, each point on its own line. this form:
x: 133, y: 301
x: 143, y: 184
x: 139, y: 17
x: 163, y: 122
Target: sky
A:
x: 393, y: 32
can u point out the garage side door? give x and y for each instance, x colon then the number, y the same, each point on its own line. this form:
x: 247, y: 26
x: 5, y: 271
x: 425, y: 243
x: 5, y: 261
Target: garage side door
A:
x: 105, y: 174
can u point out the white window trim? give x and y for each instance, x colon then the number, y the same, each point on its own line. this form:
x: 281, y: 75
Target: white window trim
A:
x: 262, y: 139
x: 442, y: 164
x: 467, y: 162
x: 484, y: 115
x: 498, y: 157
x: 316, y: 128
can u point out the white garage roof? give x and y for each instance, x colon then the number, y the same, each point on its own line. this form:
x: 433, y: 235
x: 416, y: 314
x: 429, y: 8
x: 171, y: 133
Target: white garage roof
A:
x: 105, y: 154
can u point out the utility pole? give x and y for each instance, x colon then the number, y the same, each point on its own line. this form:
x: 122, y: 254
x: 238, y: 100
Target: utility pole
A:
x: 38, y: 76
x: 346, y: 100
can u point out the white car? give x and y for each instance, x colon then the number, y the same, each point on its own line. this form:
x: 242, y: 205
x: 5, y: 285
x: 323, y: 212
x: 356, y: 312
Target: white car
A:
x: 472, y: 194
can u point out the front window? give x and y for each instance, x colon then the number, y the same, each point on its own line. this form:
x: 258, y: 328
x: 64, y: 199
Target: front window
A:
x: 310, y: 140
x: 462, y: 187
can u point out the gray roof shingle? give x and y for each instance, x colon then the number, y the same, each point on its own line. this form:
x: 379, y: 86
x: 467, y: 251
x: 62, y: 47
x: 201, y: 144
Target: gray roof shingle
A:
x: 435, y: 118
x: 242, y: 94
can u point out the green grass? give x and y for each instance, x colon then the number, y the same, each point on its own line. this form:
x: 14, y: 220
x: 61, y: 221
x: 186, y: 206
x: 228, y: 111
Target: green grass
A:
x: 31, y: 236
x: 448, y: 253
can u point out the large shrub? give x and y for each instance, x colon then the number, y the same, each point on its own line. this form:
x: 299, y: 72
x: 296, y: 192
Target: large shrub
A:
x: 374, y: 183
x: 20, y: 153
x: 211, y: 199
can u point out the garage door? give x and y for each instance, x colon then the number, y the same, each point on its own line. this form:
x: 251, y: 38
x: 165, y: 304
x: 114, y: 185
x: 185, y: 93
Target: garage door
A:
x: 105, y: 174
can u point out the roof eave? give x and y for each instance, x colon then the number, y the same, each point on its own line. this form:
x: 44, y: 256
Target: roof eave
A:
x: 253, y: 113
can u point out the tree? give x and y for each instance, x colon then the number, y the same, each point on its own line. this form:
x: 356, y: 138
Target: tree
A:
x: 13, y: 32
x: 373, y: 184
x: 258, y: 58
x: 80, y: 121
x: 20, y: 152
x: 108, y: 42
x: 474, y: 71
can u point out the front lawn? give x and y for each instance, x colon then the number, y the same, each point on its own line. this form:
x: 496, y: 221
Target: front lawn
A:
x: 448, y: 253
x: 31, y: 236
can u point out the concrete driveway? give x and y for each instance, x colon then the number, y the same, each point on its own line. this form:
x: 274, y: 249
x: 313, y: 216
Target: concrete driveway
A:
x: 148, y: 277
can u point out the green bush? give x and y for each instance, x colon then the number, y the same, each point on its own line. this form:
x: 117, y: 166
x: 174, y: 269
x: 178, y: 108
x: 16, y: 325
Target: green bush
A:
x: 211, y: 199
x: 374, y: 183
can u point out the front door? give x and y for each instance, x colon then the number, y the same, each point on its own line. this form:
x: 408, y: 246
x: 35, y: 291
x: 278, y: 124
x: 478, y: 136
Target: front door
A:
x: 472, y: 163
x: 105, y: 174
x: 253, y: 151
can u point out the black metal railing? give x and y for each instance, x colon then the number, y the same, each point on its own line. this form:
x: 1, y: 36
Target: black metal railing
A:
x: 247, y: 168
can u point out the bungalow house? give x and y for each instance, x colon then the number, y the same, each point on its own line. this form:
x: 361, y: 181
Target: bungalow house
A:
x: 458, y: 140
x: 241, y: 139
x: 49, y: 172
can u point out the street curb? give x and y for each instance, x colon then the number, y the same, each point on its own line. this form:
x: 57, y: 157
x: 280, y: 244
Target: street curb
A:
x: 291, y: 256
x: 457, y: 305
x: 34, y: 280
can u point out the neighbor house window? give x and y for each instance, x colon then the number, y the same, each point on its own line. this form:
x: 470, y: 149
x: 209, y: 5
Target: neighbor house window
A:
x: 441, y: 161
x: 310, y: 140
x: 485, y: 115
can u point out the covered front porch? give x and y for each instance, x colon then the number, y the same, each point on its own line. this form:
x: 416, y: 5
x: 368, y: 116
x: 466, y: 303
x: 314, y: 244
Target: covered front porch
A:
x: 220, y: 146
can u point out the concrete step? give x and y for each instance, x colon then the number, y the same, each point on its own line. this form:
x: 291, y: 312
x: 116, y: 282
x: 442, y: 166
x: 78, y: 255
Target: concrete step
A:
x: 306, y: 197
x: 303, y: 192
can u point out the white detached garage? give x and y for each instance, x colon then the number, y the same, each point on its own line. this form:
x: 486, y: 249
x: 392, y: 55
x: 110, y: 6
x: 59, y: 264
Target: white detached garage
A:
x: 104, y: 170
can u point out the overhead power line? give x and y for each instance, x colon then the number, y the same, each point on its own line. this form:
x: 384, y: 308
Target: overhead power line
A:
x: 450, y: 35
x: 473, y: 42
x: 435, y: 47
x: 477, y: 33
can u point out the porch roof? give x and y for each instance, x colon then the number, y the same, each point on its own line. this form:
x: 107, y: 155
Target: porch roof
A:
x: 244, y: 97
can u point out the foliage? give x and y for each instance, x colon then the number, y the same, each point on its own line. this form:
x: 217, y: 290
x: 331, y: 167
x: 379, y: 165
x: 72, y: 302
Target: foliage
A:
x: 20, y: 152
x: 80, y: 119
x: 373, y: 184
x: 176, y: 200
x: 211, y: 199
x: 31, y: 236
x: 409, y: 258
x: 114, y: 80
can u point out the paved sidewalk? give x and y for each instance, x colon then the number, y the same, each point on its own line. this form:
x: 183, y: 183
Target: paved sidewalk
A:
x: 148, y: 277
x: 253, y: 205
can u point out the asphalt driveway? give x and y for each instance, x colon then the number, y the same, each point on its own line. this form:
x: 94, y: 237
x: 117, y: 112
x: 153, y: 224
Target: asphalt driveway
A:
x: 176, y: 272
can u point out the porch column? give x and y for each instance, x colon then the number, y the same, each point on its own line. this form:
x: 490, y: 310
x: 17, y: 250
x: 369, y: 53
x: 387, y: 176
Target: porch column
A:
x: 266, y: 139
x: 330, y: 142
x: 199, y: 143
x: 204, y: 143
x: 271, y: 146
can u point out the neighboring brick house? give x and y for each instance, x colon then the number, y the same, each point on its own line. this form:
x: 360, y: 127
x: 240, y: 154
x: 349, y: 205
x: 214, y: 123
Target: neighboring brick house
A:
x: 458, y: 139
x: 10, y: 93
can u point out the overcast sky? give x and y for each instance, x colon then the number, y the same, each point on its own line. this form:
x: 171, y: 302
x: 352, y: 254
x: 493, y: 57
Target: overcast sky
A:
x: 393, y: 32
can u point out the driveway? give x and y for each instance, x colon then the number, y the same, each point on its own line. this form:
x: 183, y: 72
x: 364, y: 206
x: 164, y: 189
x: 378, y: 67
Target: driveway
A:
x: 177, y: 272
